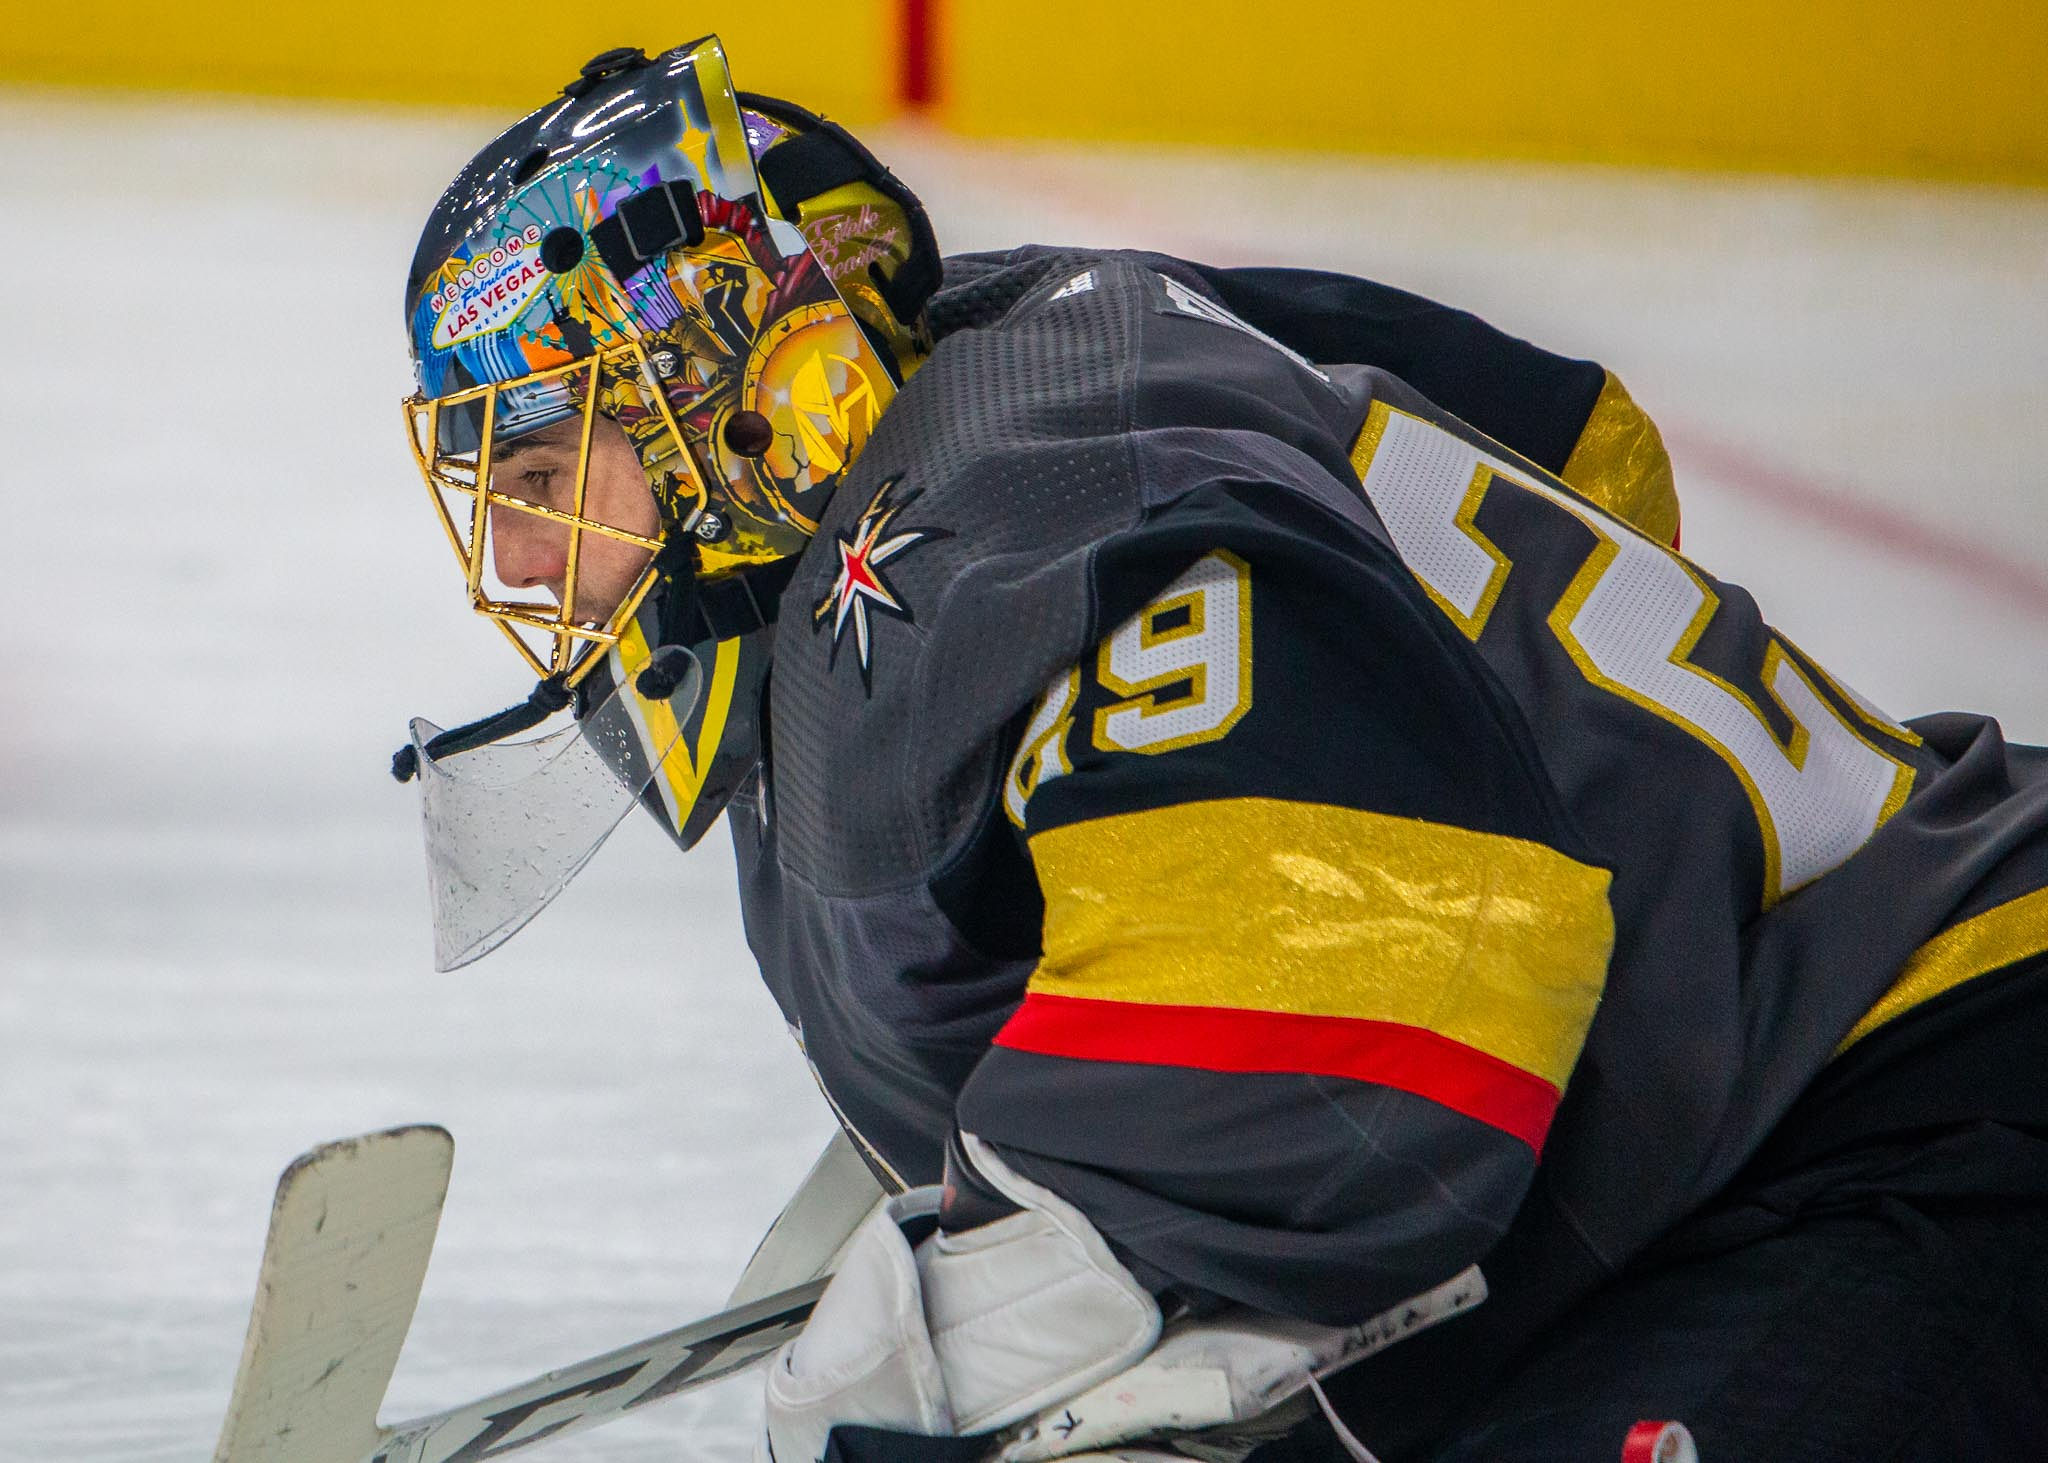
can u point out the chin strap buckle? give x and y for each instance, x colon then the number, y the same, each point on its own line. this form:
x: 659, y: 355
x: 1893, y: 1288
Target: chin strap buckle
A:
x: 646, y: 226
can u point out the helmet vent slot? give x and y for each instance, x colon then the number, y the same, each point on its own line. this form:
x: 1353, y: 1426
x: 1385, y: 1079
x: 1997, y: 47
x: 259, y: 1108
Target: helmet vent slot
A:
x: 605, y: 65
x: 532, y: 163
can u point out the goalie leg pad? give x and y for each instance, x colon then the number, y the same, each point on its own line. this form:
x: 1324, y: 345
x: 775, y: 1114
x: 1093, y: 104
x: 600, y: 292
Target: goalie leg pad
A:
x: 1231, y: 1374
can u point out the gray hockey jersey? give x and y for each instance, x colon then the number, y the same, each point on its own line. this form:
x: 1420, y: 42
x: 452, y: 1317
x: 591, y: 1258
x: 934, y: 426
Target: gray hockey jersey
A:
x: 1244, y: 743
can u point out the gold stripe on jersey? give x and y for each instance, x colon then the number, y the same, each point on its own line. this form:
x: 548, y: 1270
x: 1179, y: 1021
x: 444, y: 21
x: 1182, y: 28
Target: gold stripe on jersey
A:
x: 1990, y: 941
x: 1262, y: 905
x: 1619, y: 462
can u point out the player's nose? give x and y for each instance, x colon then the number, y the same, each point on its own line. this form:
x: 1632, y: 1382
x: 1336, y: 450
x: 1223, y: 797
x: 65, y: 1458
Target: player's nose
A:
x: 527, y: 550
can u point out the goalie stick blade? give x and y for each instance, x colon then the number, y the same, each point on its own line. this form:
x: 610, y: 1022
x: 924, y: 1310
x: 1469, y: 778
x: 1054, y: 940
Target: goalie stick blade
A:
x: 601, y: 1388
x: 351, y: 1231
x: 815, y: 1226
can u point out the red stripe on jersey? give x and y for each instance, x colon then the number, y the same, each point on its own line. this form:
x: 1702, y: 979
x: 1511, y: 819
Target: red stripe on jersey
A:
x: 1224, y: 1039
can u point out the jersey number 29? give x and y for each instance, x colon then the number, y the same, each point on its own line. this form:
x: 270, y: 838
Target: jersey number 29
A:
x: 1181, y: 668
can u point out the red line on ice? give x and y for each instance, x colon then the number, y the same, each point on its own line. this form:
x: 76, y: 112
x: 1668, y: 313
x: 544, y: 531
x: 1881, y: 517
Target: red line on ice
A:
x: 1841, y: 510
x: 2016, y: 583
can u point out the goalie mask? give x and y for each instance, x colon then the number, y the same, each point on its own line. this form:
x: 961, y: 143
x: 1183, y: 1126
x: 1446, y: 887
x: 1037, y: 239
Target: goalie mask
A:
x: 645, y: 360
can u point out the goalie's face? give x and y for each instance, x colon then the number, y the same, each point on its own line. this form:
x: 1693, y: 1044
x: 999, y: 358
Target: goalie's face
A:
x: 534, y: 495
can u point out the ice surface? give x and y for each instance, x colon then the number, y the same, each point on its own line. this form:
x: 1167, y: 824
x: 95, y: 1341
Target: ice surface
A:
x: 212, y: 919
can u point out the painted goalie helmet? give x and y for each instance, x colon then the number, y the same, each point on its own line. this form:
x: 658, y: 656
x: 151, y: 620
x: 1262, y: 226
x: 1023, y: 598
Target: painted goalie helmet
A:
x: 652, y: 325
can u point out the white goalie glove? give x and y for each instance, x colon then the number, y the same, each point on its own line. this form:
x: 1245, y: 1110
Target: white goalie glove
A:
x: 1029, y: 1333
x: 967, y: 1333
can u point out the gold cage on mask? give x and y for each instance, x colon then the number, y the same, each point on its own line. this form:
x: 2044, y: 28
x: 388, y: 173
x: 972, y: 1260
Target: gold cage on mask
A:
x: 552, y: 637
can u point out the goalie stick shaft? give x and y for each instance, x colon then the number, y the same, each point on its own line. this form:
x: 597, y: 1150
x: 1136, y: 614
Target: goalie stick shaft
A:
x: 596, y: 1390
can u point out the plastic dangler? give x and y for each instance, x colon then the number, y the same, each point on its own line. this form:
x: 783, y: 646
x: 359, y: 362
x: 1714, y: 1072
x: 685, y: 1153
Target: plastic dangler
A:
x: 508, y: 824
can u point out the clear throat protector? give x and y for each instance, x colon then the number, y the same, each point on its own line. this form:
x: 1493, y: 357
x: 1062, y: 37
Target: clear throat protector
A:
x: 509, y: 820
x: 510, y: 823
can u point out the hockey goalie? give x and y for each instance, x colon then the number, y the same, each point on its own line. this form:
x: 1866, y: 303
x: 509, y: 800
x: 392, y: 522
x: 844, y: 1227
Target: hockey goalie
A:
x: 1255, y: 825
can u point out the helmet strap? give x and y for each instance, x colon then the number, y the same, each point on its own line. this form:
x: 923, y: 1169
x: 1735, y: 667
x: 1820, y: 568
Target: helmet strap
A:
x: 646, y: 226
x: 694, y: 611
x: 550, y: 696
